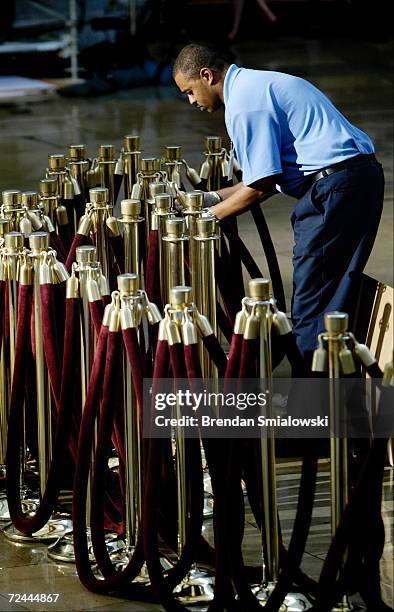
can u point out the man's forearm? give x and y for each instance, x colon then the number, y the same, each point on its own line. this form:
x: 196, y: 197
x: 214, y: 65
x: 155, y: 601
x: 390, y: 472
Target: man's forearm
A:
x: 226, y: 192
x: 240, y: 200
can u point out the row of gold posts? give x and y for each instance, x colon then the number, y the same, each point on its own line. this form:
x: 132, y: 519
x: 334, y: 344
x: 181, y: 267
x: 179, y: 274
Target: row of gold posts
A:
x: 34, y: 265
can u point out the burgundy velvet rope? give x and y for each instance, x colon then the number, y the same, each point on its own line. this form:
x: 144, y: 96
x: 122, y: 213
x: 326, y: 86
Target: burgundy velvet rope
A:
x: 352, y: 521
x: 64, y: 232
x: 116, y: 243
x: 130, y: 339
x: 79, y: 240
x: 236, y: 260
x: 118, y: 581
x: 22, y: 522
x: 50, y: 340
x: 234, y: 356
x: 152, y: 278
x: 215, y: 458
x: 244, y: 253
x: 96, y: 310
x: 231, y: 293
x: 152, y: 495
x: 58, y: 246
x: 225, y: 323
x: 216, y: 353
x: 270, y: 255
x: 112, y: 379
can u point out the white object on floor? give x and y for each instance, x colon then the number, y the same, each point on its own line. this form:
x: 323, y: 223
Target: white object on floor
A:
x: 16, y: 86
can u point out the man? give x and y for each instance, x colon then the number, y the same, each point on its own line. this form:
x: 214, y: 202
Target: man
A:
x: 288, y: 136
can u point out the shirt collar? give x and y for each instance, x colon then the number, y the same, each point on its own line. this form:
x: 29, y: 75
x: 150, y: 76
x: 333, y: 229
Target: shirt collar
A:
x: 231, y: 74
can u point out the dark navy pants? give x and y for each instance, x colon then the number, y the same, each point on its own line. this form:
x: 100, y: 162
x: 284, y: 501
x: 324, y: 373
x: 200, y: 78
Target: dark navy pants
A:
x: 335, y: 225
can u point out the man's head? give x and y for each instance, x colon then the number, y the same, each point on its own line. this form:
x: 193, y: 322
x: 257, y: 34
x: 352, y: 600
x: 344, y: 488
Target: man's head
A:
x: 199, y: 72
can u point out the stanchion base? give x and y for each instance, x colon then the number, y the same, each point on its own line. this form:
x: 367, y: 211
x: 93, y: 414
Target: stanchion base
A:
x: 208, y: 505
x: 63, y: 549
x: 4, y: 512
x: 294, y: 602
x: 196, y: 588
x: 122, y: 557
x: 54, y: 529
x: 346, y: 607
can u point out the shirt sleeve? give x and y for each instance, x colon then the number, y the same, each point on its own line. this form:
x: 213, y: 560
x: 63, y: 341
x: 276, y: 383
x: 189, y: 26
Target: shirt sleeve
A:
x: 257, y: 141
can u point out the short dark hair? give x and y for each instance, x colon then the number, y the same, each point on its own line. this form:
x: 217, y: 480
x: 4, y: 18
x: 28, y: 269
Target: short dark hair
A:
x: 194, y: 57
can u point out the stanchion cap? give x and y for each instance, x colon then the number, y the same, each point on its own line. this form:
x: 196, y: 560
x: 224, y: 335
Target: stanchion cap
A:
x: 57, y: 162
x: 86, y: 254
x: 11, y: 197
x: 98, y: 195
x: 128, y: 284
x: 4, y: 226
x: 106, y: 152
x: 175, y: 228
x: 180, y: 295
x: 148, y: 164
x: 163, y: 202
x: 77, y: 152
x: 156, y: 188
x: 206, y: 228
x: 172, y: 153
x: 213, y: 144
x: 259, y: 288
x: 48, y: 188
x: 14, y: 241
x: 336, y: 322
x: 194, y: 200
x: 30, y: 199
x: 130, y: 209
x: 39, y: 241
x: 131, y: 143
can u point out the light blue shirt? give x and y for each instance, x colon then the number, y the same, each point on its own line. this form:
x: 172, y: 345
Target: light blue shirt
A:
x: 282, y: 124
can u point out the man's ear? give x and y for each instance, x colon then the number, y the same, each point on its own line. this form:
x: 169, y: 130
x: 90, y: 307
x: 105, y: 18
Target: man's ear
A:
x: 207, y: 75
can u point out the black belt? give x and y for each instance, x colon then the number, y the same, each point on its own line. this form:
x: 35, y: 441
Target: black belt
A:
x: 347, y: 163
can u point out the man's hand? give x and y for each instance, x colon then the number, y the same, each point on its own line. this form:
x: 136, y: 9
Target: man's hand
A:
x: 211, y: 198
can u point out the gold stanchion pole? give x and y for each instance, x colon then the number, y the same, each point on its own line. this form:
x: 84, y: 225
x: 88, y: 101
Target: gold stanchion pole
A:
x: 4, y: 390
x: 78, y: 165
x: 214, y: 168
x: 14, y: 245
x: 44, y: 266
x: 55, y: 213
x: 130, y: 219
x: 172, y: 162
x: 101, y: 209
x: 87, y: 283
x: 339, y: 360
x: 194, y: 204
x: 11, y: 208
x: 107, y: 164
x: 204, y: 280
x: 173, y: 270
x: 131, y: 157
x: 179, y: 327
x: 57, y: 169
x: 4, y: 379
x: 149, y: 173
x: 34, y: 212
x: 134, y: 309
x: 39, y: 243
x: 161, y: 211
x: 262, y: 314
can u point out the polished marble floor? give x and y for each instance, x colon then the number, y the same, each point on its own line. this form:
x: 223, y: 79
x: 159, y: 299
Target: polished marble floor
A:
x: 27, y: 569
x: 358, y: 77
